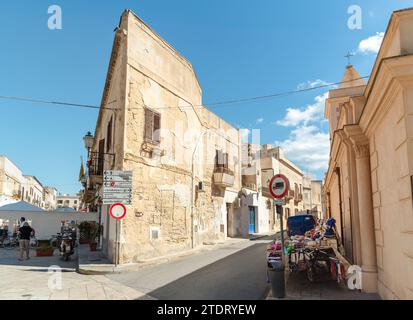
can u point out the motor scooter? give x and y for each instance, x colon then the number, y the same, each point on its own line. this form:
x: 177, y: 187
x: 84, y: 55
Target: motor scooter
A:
x: 67, y: 245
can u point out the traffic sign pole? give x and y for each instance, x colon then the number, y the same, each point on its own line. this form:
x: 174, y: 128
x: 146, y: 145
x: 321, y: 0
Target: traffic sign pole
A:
x: 279, y: 186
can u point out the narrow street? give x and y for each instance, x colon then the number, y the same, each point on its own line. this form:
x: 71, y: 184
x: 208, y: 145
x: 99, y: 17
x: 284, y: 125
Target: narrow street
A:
x: 234, y: 271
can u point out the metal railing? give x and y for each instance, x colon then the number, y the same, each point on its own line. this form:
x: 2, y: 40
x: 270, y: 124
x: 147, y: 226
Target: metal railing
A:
x: 222, y: 169
x: 98, y: 162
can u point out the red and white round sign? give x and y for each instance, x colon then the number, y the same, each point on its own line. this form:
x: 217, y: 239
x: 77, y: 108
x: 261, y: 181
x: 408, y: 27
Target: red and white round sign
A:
x: 117, y: 211
x: 279, y: 186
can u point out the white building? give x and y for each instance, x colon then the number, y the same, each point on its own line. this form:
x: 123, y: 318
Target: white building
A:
x: 11, y: 179
x: 68, y: 201
x: 50, y: 198
x: 313, y: 196
x: 32, y: 191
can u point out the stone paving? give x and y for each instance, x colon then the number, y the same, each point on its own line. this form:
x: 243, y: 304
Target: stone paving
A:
x: 30, y: 279
x: 299, y: 288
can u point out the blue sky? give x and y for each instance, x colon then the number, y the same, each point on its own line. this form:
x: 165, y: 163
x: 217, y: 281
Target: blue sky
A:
x: 238, y: 48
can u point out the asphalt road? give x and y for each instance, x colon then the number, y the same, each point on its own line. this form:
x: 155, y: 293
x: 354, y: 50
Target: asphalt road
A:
x: 233, y: 272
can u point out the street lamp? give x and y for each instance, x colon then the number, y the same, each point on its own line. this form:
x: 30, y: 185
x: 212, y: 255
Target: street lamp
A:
x: 88, y: 140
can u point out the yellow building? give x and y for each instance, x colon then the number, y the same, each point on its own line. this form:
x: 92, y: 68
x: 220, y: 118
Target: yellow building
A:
x: 185, y: 160
x: 368, y: 185
x: 273, y: 161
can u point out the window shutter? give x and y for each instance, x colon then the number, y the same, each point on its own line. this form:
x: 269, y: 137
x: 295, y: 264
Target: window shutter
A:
x: 109, y: 135
x: 226, y: 160
x: 156, y: 127
x: 148, y: 124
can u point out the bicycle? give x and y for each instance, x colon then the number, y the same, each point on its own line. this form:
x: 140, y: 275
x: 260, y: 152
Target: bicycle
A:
x: 316, y: 263
x: 337, y: 270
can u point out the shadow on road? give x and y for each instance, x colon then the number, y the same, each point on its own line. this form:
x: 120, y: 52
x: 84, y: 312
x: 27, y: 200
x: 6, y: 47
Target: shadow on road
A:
x: 241, y: 275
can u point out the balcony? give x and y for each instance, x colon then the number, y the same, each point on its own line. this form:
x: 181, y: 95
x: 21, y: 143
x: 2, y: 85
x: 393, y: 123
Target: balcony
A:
x: 89, y: 195
x: 298, y: 197
x: 223, y: 177
x: 290, y: 195
x: 98, y: 162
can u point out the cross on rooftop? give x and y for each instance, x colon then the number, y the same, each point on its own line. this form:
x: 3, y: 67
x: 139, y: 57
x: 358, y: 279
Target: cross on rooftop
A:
x: 348, y: 56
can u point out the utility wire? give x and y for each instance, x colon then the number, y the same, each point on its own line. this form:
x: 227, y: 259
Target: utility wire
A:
x: 212, y: 104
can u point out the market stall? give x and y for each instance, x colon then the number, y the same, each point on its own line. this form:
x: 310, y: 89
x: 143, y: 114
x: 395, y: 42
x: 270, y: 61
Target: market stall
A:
x: 310, y: 247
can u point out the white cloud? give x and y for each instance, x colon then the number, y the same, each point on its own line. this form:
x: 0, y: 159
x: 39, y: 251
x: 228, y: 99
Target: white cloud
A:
x: 312, y: 84
x: 260, y: 120
x: 372, y: 44
x: 303, y: 116
x: 308, y: 147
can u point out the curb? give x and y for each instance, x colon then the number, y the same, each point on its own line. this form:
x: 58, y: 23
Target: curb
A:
x: 102, y: 269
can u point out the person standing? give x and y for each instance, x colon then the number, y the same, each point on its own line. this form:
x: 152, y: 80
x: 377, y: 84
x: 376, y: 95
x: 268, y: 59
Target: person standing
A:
x: 25, y: 232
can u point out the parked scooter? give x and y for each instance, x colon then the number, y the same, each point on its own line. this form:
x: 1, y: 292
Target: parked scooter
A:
x: 67, y: 245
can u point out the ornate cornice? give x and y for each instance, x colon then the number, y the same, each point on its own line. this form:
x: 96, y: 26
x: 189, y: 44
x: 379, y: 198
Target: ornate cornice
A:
x: 358, y: 139
x: 362, y: 150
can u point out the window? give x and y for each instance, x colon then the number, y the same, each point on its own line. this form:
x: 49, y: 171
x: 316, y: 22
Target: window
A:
x: 75, y: 202
x: 109, y: 135
x: 60, y: 201
x: 221, y: 159
x: 152, y: 126
x: 154, y: 233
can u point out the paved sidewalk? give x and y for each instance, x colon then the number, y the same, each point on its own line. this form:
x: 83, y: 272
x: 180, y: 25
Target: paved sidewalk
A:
x: 34, y: 280
x: 30, y: 280
x: 95, y: 263
x: 299, y: 288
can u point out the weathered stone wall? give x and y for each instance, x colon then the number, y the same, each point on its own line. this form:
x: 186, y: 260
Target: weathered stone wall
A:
x: 392, y: 199
x: 159, y: 79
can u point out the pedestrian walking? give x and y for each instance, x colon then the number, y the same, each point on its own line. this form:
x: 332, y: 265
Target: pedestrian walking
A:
x: 25, y: 231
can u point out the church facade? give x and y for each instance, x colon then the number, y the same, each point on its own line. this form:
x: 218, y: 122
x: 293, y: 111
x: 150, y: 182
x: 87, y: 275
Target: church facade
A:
x: 368, y: 186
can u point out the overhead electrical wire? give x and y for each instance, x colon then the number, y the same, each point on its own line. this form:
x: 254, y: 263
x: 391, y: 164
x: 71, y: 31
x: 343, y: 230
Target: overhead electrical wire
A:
x: 212, y: 104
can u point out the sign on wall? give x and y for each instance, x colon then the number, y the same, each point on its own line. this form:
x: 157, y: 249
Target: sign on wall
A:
x: 117, y: 187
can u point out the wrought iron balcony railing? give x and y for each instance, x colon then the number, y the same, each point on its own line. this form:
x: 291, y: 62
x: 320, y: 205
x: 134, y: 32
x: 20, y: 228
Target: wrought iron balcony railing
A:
x: 98, y: 162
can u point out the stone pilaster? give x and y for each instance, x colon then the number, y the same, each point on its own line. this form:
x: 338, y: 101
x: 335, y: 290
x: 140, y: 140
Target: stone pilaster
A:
x: 366, y: 217
x: 367, y: 245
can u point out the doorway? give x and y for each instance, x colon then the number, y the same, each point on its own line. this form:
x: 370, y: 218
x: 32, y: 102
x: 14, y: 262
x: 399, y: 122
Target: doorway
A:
x: 251, y: 228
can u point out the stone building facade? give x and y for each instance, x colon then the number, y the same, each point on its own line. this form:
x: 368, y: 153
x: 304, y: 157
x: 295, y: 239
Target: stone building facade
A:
x: 369, y: 182
x: 273, y: 161
x: 184, y: 159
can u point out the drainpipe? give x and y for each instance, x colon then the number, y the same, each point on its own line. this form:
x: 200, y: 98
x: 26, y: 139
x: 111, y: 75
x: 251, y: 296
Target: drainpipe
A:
x: 193, y: 188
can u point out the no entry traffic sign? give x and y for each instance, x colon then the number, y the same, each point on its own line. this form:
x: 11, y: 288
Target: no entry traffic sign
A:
x: 117, y: 211
x: 279, y: 186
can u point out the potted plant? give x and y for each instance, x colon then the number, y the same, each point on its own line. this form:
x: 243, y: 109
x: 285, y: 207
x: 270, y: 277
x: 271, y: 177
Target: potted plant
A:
x: 84, y: 231
x: 44, y: 249
x: 95, y: 231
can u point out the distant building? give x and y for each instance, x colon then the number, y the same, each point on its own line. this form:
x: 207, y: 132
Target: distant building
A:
x: 50, y: 198
x: 68, y: 201
x: 313, y: 197
x: 32, y: 191
x: 11, y: 179
x: 16, y: 186
x: 273, y: 161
